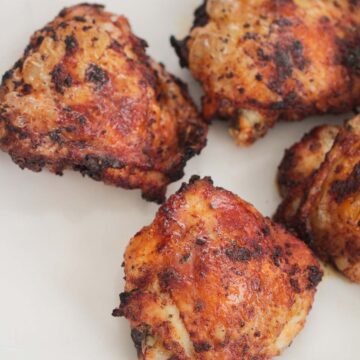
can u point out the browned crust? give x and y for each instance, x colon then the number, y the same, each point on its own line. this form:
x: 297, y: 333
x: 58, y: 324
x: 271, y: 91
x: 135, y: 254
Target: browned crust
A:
x: 283, y: 60
x: 85, y: 96
x: 322, y: 204
x: 223, y: 266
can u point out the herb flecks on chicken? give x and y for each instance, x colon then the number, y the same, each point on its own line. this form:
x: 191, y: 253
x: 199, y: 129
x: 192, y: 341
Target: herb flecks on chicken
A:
x: 261, y: 61
x: 319, y: 180
x: 211, y: 278
x: 85, y: 96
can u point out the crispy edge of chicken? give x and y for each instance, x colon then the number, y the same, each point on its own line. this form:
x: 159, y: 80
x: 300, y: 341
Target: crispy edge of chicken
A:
x: 85, y: 96
x: 262, y: 61
x: 323, y: 207
x: 211, y: 278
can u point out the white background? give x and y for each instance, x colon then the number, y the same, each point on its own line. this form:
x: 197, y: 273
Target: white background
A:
x: 62, y: 239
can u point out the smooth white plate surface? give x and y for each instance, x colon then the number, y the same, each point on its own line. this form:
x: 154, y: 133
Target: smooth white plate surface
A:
x: 62, y: 239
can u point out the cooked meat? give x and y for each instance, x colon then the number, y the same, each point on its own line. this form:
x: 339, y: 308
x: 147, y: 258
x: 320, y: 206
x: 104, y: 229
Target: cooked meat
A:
x: 86, y: 96
x: 261, y: 61
x: 320, y: 181
x: 211, y: 278
x: 297, y: 168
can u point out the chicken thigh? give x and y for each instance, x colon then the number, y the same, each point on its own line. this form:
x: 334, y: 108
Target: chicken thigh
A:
x: 85, y: 96
x: 320, y: 183
x: 261, y: 61
x: 211, y: 278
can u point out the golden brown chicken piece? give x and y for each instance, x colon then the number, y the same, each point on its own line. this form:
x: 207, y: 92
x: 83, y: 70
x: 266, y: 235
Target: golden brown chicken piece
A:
x: 320, y: 184
x: 211, y: 278
x: 86, y: 96
x: 261, y: 61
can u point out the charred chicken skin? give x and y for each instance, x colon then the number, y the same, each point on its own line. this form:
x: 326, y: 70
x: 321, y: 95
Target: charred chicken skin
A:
x: 211, y: 278
x: 320, y: 182
x: 85, y: 96
x: 261, y: 61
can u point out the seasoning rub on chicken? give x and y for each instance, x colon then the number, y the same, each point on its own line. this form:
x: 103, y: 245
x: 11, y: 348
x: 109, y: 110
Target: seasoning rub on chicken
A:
x: 320, y: 182
x: 85, y: 96
x: 261, y: 61
x: 211, y: 278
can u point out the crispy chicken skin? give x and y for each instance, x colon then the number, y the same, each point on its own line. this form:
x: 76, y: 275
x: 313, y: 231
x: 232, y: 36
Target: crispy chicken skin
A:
x: 320, y: 183
x: 86, y: 96
x: 261, y: 61
x: 211, y: 278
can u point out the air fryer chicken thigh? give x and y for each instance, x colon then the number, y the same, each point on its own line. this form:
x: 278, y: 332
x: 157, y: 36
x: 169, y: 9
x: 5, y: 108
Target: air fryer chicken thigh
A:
x: 211, y: 278
x: 86, y: 96
x: 320, y: 183
x: 261, y: 61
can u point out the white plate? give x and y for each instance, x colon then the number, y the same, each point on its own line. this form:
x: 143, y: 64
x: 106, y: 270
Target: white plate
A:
x: 62, y: 239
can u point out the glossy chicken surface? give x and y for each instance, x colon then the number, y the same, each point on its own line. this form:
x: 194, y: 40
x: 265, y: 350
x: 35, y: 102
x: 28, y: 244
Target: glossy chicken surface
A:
x: 211, y: 278
x: 85, y: 96
x: 261, y: 61
x: 320, y: 183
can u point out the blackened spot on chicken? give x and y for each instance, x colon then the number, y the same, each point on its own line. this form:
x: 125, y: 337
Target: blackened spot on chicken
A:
x: 262, y: 56
x: 251, y: 36
x: 39, y: 41
x: 181, y: 50
x: 295, y: 285
x: 297, y: 50
x: 61, y: 78
x: 26, y: 89
x: 257, y: 252
x: 199, y: 306
x: 237, y: 253
x: 94, y: 166
x: 82, y: 119
x: 71, y: 44
x: 283, y: 22
x: 341, y: 189
x: 287, y: 103
x: 277, y: 256
x: 80, y: 18
x: 350, y: 54
x: 324, y: 20
x: 289, y: 161
x: 125, y: 298
x: 70, y: 128
x: 96, y: 75
x: 184, y: 259
x: 201, y: 241
x: 286, y: 57
x: 282, y: 62
x: 117, y: 312
x: 35, y: 163
x: 202, y: 347
x: 63, y: 12
x: 19, y: 64
x: 16, y: 130
x: 266, y: 230
x: 116, y: 46
x: 138, y: 337
x: 50, y: 31
x: 168, y: 277
x: 201, y: 16
x: 56, y: 137
x: 315, y: 276
x: 8, y: 75
x: 63, y: 25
